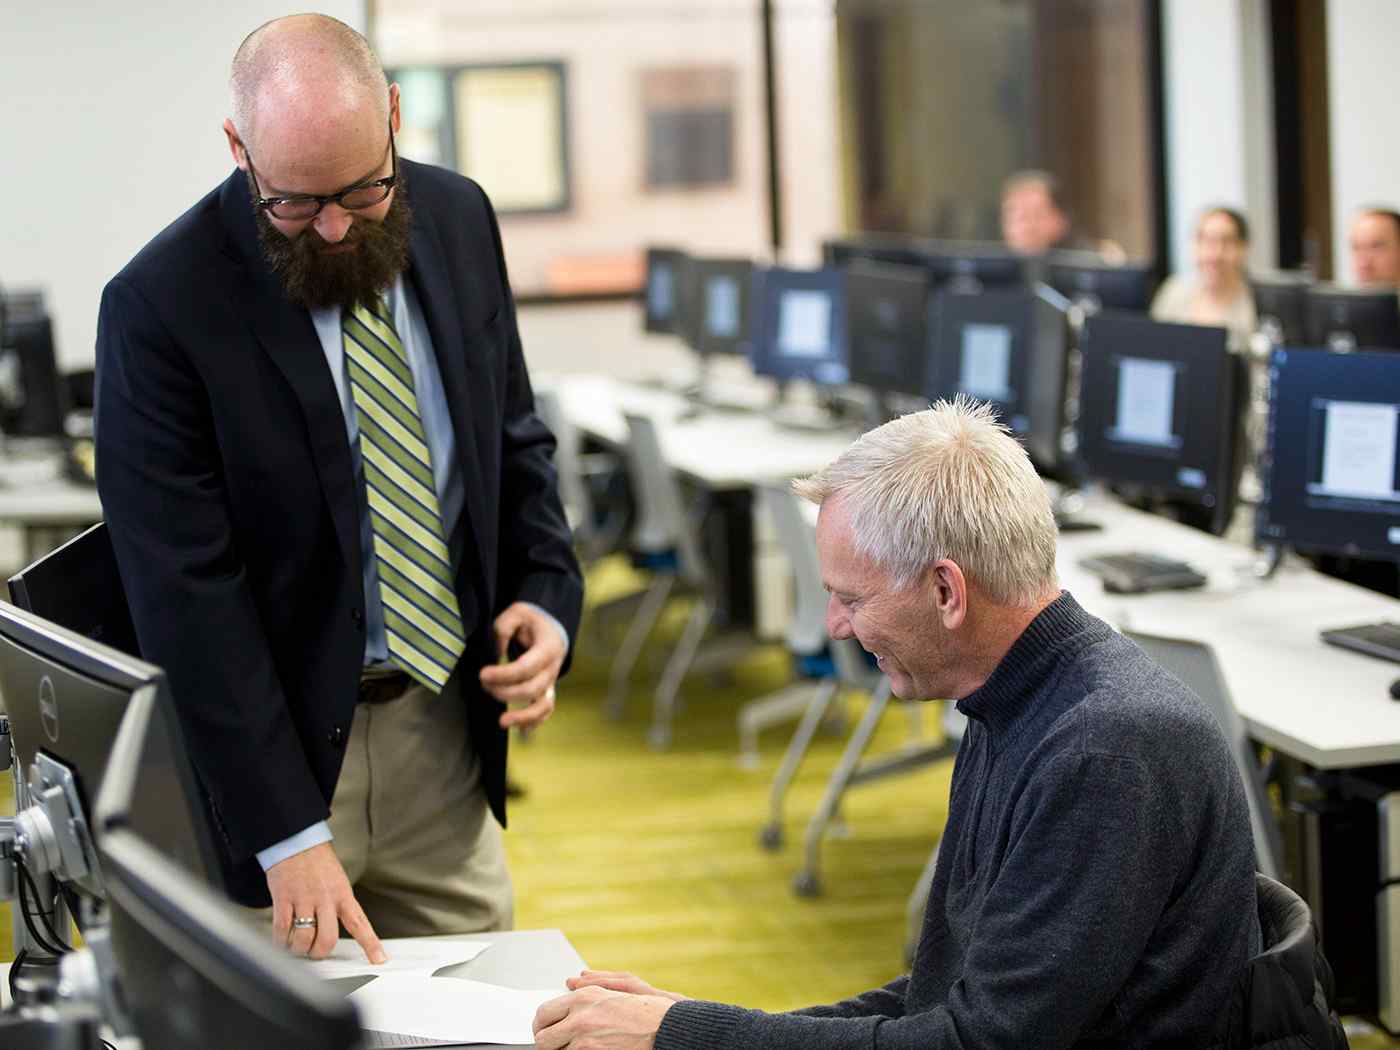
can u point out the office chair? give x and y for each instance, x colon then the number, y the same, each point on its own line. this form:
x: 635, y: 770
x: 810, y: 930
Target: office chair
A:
x: 1195, y: 664
x: 598, y: 531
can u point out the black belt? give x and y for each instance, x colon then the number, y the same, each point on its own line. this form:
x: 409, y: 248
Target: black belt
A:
x: 379, y: 687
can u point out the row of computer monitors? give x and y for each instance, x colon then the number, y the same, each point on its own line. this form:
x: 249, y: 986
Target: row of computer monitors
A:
x: 1156, y: 405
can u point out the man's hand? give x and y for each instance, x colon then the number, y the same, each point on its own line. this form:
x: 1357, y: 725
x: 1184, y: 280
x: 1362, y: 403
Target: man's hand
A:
x: 619, y: 981
x: 312, y: 884
x: 529, y: 678
x: 601, y: 1020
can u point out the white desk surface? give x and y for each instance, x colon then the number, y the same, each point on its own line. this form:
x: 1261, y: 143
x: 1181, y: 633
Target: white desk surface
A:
x: 53, y: 502
x: 720, y: 449
x: 1329, y: 707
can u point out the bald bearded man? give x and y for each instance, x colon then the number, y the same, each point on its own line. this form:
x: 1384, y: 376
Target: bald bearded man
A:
x: 333, y: 506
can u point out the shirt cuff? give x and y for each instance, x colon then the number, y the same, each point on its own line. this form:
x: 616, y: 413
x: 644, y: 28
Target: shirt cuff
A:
x: 299, y: 843
x: 554, y: 620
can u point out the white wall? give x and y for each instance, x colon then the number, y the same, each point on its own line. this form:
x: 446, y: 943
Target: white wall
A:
x: 1363, y: 86
x: 111, y: 130
x: 1219, y: 119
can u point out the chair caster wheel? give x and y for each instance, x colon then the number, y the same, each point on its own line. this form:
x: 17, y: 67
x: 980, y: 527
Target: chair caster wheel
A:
x: 771, y: 837
x: 806, y: 884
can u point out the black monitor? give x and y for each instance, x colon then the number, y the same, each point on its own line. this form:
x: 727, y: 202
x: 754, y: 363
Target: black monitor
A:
x: 1086, y: 278
x: 1280, y: 300
x: 799, y: 325
x: 1332, y: 471
x: 1008, y: 348
x: 887, y: 327
x: 193, y: 972
x: 31, y: 396
x: 663, y: 301
x: 972, y: 266
x: 898, y: 249
x: 717, y: 291
x: 65, y: 696
x: 1353, y: 318
x: 1161, y: 408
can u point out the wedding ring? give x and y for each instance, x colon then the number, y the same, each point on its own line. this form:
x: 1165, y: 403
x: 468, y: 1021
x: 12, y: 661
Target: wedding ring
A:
x: 304, y: 923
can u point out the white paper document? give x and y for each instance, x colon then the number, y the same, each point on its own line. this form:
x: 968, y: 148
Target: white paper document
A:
x: 1358, y: 458
x: 450, y: 1009
x: 421, y: 956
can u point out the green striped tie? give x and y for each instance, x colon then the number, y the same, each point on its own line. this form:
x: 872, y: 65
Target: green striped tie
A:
x: 422, y: 620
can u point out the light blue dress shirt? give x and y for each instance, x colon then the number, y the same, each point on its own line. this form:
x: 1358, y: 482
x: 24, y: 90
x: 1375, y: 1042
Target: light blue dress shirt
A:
x: 412, y: 328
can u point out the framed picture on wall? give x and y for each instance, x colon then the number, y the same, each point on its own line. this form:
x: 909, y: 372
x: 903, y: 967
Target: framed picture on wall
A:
x: 688, y: 113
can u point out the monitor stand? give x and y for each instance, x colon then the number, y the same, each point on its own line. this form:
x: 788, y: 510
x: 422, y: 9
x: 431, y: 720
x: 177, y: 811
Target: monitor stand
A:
x: 1067, y: 506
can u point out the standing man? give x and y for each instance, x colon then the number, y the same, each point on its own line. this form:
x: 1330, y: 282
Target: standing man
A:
x: 1374, y: 239
x: 333, y: 505
x: 1095, y: 881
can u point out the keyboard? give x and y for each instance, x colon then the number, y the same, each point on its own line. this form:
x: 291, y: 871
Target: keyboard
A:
x: 1134, y: 572
x: 1375, y: 639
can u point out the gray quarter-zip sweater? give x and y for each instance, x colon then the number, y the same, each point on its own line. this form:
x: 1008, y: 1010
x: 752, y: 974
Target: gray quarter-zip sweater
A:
x: 1095, y: 885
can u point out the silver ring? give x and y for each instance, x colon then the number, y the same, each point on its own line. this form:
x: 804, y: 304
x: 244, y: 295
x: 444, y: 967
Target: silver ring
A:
x: 304, y: 923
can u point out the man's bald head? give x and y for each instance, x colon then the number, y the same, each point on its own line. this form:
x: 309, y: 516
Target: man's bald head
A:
x: 303, y: 72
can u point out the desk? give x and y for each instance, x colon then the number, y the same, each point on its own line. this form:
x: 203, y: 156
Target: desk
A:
x: 517, y: 959
x: 48, y: 510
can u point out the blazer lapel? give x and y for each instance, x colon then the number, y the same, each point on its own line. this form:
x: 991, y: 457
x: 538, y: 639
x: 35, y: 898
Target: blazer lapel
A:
x: 429, y: 273
x: 289, y: 338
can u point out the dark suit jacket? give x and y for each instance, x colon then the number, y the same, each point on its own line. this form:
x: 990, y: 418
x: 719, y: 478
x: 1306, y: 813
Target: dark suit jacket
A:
x: 227, y: 484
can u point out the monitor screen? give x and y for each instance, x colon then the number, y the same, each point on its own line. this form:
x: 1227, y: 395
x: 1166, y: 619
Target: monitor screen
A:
x: 799, y: 328
x: 1086, y: 278
x: 194, y: 972
x: 973, y: 266
x: 1161, y: 407
x: 1352, y: 318
x: 1280, y: 304
x: 31, y: 397
x: 887, y: 327
x: 1009, y: 348
x: 663, y: 302
x: 1332, y: 475
x: 719, y: 292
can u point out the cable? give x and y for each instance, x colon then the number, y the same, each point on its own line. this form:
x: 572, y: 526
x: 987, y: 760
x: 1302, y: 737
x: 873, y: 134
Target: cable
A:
x: 55, y: 946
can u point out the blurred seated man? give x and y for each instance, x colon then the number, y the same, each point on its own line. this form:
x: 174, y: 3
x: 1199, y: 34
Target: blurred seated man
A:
x: 1375, y: 247
x: 1218, y: 292
x: 1095, y: 885
x: 1033, y: 218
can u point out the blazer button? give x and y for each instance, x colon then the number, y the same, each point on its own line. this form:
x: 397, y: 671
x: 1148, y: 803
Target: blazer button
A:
x: 336, y: 737
x: 357, y: 618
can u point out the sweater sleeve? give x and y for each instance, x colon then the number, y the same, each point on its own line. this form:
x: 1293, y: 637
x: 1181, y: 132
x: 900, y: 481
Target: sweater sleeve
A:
x: 1090, y: 866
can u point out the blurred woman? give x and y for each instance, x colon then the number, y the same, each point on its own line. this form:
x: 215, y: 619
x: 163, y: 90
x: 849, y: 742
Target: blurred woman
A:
x: 1218, y: 293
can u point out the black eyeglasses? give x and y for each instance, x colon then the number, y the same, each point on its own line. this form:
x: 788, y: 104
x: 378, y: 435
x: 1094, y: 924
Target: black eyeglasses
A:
x: 304, y: 206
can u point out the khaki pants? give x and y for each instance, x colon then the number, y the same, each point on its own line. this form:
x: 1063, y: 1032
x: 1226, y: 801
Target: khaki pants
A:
x: 411, y: 823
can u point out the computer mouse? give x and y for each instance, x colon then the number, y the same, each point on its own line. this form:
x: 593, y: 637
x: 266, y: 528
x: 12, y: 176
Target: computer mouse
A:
x: 1395, y: 689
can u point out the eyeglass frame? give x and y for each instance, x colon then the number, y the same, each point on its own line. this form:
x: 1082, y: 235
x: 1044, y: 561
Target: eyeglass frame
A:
x: 387, y: 184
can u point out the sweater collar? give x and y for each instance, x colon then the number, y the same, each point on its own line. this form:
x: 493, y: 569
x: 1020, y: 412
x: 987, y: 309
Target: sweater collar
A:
x: 1061, y: 628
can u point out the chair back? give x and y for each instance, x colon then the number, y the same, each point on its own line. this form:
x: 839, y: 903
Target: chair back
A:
x: 662, y: 522
x: 568, y: 462
x: 1195, y: 664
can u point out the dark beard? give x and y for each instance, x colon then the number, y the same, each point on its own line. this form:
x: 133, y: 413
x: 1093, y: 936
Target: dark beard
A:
x: 315, y: 279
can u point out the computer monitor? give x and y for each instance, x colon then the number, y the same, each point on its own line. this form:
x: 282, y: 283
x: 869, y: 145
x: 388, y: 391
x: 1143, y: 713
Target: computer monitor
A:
x: 718, y: 294
x: 1086, y: 278
x: 887, y: 327
x: 899, y: 249
x: 1331, y: 479
x: 1161, y: 408
x: 1346, y: 319
x: 1008, y: 348
x: 31, y: 396
x: 971, y: 266
x: 193, y: 972
x: 1280, y: 300
x: 799, y: 325
x: 663, y: 297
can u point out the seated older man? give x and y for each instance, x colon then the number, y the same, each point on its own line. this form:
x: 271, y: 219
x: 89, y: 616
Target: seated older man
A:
x: 1096, y: 881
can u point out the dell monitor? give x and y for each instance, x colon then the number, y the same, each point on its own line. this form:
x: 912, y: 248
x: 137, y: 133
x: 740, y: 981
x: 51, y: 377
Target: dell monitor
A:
x: 663, y: 300
x: 970, y: 266
x: 718, y: 293
x: 1008, y: 348
x: 1161, y: 408
x: 193, y: 972
x: 1331, y: 481
x: 31, y: 397
x: 1087, y: 279
x: 887, y: 327
x: 1346, y: 319
x: 799, y: 325
x: 1280, y: 303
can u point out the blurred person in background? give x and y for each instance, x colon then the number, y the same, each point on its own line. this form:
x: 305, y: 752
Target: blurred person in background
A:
x: 1218, y: 292
x: 1033, y: 216
x: 1374, y: 240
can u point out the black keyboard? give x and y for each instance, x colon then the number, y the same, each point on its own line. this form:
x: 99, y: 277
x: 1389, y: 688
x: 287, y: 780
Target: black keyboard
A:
x: 1134, y: 572
x: 1376, y: 639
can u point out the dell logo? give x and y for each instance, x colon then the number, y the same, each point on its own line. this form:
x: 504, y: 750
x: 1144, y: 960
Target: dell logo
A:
x: 48, y: 708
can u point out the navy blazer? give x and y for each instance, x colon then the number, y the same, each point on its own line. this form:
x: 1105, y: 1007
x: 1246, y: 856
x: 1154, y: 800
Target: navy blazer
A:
x: 226, y: 481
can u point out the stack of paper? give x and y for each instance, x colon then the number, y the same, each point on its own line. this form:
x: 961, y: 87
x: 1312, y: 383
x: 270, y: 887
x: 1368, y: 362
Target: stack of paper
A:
x: 421, y: 956
x: 449, y: 1009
